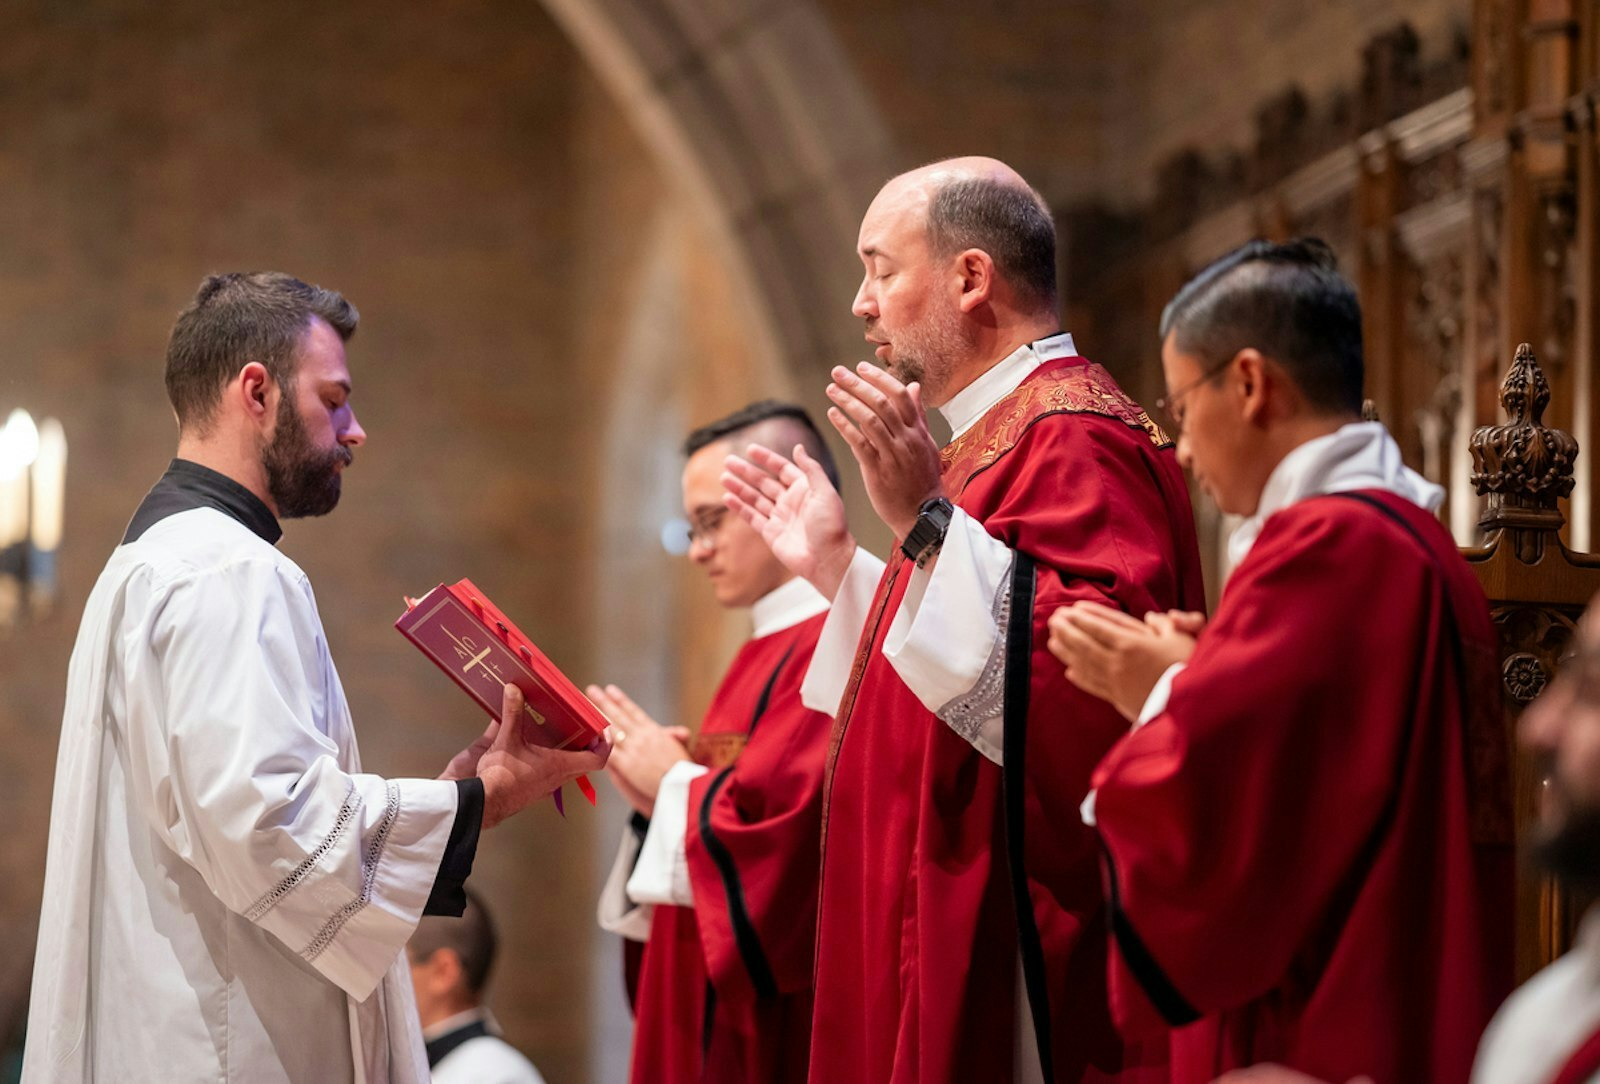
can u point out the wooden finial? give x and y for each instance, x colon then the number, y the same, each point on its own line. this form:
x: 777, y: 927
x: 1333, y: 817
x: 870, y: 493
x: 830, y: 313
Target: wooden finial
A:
x: 1524, y: 467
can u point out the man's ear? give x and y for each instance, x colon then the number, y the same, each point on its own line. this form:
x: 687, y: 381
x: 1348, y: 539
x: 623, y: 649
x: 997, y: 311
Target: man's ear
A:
x: 446, y: 966
x: 258, y: 392
x: 976, y: 269
x: 440, y: 970
x: 1252, y: 383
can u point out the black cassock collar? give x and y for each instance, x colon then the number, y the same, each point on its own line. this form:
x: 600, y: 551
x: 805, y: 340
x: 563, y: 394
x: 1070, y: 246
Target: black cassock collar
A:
x: 444, y: 1044
x: 188, y: 485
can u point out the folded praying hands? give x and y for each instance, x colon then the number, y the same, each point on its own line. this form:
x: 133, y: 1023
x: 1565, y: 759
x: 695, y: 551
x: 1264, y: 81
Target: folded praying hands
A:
x: 1117, y: 657
x: 644, y: 750
x: 883, y: 422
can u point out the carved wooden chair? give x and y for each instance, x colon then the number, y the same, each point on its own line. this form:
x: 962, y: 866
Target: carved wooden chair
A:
x: 1537, y: 588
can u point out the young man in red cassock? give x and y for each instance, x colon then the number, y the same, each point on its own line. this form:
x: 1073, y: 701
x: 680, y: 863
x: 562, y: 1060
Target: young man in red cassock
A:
x: 1306, y: 835
x: 720, y: 870
x: 960, y: 930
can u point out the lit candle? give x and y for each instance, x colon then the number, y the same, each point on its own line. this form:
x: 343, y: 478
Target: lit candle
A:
x: 49, y: 486
x: 19, y: 446
x: 49, y: 482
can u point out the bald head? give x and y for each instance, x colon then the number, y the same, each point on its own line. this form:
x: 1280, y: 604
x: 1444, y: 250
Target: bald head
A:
x: 984, y: 204
x: 960, y: 270
x: 923, y: 181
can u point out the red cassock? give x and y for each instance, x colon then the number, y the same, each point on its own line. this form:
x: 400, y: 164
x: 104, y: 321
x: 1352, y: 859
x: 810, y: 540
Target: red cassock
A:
x: 1308, y: 852
x: 919, y: 928
x: 725, y: 986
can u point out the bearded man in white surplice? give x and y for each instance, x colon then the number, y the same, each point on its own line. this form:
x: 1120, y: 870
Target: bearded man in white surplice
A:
x: 227, y: 892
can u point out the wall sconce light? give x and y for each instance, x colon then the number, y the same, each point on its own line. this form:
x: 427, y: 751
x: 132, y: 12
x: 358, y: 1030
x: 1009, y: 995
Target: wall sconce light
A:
x: 33, y: 471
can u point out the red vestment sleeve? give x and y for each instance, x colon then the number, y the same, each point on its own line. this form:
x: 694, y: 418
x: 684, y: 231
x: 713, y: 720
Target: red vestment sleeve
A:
x: 1239, y: 824
x: 1104, y: 514
x: 752, y: 845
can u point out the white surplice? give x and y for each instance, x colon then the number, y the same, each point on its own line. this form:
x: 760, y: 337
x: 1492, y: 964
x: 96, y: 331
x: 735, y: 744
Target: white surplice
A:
x: 227, y: 895
x: 1542, y: 1025
x: 484, y: 1059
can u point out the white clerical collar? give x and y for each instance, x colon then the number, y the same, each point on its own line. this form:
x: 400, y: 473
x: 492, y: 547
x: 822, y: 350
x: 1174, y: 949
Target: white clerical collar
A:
x: 441, y: 1028
x: 1361, y: 455
x: 786, y: 606
x: 974, y: 401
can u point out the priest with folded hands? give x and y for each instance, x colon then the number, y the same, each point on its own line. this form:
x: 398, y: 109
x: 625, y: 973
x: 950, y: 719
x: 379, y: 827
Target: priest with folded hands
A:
x: 1306, y: 835
x: 960, y: 933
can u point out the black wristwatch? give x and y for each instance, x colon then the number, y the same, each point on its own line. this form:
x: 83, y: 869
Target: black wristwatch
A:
x: 927, y: 534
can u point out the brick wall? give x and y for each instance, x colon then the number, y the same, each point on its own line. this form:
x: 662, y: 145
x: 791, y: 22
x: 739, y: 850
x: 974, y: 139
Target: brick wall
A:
x: 426, y: 162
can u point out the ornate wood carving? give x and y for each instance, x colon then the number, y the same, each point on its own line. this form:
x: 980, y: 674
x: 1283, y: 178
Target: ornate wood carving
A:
x: 1536, y: 588
x: 1435, y: 323
x: 1558, y: 302
x: 1488, y: 221
x: 1524, y: 467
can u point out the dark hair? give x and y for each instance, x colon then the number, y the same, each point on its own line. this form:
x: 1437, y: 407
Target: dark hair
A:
x: 766, y: 410
x: 1008, y: 221
x: 238, y: 318
x: 471, y: 937
x: 1288, y: 301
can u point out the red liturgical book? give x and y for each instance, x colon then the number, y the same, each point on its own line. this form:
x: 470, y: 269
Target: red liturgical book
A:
x: 468, y: 638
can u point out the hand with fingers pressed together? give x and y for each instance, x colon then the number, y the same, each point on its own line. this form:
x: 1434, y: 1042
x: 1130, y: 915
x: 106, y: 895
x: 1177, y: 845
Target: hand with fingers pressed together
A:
x: 883, y: 422
x: 796, y: 510
x: 1117, y: 657
x: 644, y: 750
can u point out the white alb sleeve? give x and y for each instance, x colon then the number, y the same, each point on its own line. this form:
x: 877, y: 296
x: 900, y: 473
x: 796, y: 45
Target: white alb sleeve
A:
x: 662, y: 873
x: 226, y: 686
x: 947, y: 641
x: 616, y: 912
x: 835, y: 653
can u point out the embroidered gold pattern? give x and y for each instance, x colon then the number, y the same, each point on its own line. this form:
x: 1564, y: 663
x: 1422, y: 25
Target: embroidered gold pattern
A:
x: 1074, y: 389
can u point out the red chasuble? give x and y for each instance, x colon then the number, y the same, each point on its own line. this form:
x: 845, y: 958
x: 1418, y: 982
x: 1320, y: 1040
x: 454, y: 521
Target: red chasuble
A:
x: 1308, y: 852
x: 918, y: 934
x: 725, y: 986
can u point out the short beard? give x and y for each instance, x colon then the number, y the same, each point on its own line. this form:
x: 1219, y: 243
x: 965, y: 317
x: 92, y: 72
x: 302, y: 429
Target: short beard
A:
x: 928, y: 352
x: 1569, y: 850
x: 300, y: 478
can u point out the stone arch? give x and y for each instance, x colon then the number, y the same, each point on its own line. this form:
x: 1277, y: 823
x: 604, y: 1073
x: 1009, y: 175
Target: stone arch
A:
x: 754, y: 109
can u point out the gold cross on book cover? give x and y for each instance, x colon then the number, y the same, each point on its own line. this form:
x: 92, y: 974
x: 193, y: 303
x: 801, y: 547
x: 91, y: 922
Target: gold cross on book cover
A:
x: 470, y: 639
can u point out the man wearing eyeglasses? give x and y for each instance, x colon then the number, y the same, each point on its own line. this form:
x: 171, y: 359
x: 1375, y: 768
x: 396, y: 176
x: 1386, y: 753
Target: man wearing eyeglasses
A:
x: 1306, y: 834
x: 720, y: 871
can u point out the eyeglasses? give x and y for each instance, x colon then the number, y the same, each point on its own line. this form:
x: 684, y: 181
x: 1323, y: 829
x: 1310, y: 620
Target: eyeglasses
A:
x: 1166, y: 403
x: 703, y: 526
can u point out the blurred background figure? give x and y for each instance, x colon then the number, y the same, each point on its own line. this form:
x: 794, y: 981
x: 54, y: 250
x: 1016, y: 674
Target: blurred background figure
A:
x: 450, y: 963
x: 1548, y: 1032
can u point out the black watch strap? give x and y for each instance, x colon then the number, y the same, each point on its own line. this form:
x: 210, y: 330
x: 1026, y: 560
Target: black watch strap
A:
x: 927, y: 534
